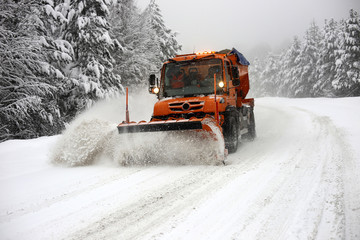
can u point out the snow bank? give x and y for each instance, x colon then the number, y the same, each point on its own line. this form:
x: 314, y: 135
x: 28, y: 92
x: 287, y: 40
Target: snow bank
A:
x: 344, y: 112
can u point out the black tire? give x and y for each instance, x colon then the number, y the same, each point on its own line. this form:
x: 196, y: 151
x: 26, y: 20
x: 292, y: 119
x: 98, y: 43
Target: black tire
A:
x: 251, y: 127
x: 231, y: 134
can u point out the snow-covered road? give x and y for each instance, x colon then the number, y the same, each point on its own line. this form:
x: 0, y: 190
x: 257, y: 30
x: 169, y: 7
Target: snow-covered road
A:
x: 298, y: 180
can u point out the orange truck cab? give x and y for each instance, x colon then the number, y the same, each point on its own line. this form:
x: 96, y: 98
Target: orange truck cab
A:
x: 206, y: 85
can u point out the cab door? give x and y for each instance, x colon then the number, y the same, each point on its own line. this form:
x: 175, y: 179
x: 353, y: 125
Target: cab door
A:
x: 231, y: 89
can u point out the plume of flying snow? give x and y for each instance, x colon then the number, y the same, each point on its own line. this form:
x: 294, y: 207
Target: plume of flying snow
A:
x: 93, y: 135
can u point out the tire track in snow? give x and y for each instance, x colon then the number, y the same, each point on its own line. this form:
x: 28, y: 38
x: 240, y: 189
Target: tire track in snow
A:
x: 156, y: 206
x: 275, y: 190
x: 134, y: 216
x: 292, y: 182
x: 86, y: 204
x: 289, y: 190
x: 73, y: 191
x: 141, y: 216
x: 244, y: 191
x: 322, y: 214
x: 166, y: 206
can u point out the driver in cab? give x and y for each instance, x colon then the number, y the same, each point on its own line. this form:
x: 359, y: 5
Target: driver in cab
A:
x: 177, y: 77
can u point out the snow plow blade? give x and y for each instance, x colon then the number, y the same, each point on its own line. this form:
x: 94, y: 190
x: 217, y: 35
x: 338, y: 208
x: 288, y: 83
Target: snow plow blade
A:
x: 160, y: 126
x: 207, y: 124
x: 188, y: 141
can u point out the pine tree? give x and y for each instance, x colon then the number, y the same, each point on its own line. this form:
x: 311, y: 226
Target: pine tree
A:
x: 347, y: 79
x: 289, y: 73
x: 164, y: 37
x: 326, y: 61
x: 145, y: 40
x: 270, y: 77
x: 60, y: 52
x: 91, y: 72
x: 127, y: 26
x: 306, y: 63
x: 29, y: 79
x: 255, y: 71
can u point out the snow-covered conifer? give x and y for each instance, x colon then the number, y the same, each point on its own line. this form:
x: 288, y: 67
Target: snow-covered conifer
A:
x: 145, y: 40
x: 127, y: 26
x: 326, y: 63
x: 347, y: 79
x: 91, y: 75
x: 255, y: 71
x: 164, y: 37
x: 326, y: 60
x: 29, y: 78
x: 270, y: 77
x: 289, y: 73
x: 306, y: 63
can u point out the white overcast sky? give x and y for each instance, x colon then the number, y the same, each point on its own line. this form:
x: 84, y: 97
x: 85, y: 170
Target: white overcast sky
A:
x: 245, y: 24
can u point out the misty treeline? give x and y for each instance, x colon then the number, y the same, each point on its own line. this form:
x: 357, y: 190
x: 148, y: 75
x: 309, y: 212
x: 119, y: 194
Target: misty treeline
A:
x: 326, y: 63
x: 59, y: 56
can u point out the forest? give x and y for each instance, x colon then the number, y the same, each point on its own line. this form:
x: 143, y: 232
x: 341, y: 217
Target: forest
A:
x: 325, y: 63
x: 58, y: 57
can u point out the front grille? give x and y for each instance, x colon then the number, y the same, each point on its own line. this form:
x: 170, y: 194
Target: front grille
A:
x: 176, y: 104
x: 182, y: 116
x: 196, y: 107
x: 186, y: 106
x: 176, y: 109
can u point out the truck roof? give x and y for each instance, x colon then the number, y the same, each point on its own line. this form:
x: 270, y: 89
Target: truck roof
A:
x: 233, y: 55
x: 192, y: 56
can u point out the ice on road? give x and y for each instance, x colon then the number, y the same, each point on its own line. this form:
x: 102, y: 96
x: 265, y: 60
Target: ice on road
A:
x: 297, y: 180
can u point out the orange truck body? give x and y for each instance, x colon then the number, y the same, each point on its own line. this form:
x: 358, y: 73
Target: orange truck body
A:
x: 194, y: 87
x: 233, y: 95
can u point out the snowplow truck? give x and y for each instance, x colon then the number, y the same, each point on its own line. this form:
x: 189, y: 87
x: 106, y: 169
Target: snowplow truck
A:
x: 203, y: 92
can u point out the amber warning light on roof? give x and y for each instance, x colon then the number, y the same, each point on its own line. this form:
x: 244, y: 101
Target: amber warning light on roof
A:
x: 205, y: 52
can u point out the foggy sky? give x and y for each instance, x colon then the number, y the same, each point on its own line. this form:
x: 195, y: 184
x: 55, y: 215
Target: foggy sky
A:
x: 246, y: 25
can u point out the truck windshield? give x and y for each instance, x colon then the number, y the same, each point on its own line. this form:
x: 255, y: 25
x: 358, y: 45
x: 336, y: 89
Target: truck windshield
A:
x: 191, y: 78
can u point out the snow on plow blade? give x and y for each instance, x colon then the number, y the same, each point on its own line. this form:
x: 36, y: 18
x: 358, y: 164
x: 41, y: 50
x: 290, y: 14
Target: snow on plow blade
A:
x: 202, y: 136
x: 156, y: 126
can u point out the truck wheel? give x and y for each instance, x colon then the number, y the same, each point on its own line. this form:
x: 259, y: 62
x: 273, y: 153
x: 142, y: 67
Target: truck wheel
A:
x: 231, y: 135
x: 251, y: 127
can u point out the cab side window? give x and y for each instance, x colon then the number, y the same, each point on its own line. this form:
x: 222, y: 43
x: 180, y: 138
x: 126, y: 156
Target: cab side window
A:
x: 227, y: 71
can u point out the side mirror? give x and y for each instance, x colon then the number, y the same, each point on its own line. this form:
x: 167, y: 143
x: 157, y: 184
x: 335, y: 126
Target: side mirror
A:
x: 235, y: 73
x: 153, y: 84
x: 236, y: 82
x: 152, y: 80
